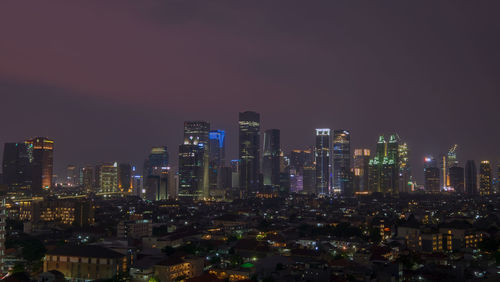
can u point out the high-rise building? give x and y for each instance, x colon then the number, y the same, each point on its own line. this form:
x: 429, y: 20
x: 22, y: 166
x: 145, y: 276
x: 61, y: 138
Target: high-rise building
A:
x: 431, y: 175
x: 271, y: 159
x: 485, y: 178
x: 456, y: 178
x: 342, y: 162
x: 498, y: 179
x: 87, y: 178
x: 322, y: 159
x: 375, y: 165
x: 309, y: 180
x: 108, y: 177
x: 17, y: 167
x: 361, y: 168
x: 194, y: 160
x: 72, y: 175
x: 405, y: 185
x: 470, y: 177
x: 42, y: 166
x: 156, y: 161
x: 125, y: 178
x: 191, y: 156
x: 249, y: 152
x: 451, y: 161
x: 390, y: 169
x: 217, y: 157
x: 298, y: 160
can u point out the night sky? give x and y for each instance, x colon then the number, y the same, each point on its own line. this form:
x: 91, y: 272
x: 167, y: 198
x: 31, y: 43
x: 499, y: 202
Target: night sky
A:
x: 109, y: 79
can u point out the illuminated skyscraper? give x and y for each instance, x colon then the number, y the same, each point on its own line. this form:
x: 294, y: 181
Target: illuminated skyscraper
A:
x: 470, y: 177
x: 322, y: 157
x: 431, y: 175
x: 198, y: 133
x: 485, y: 178
x: 342, y: 180
x: 299, y: 159
x: 271, y: 159
x: 217, y: 158
x: 390, y: 170
x: 249, y: 152
x: 156, y: 161
x: 42, y: 166
x: 108, y: 177
x: 405, y: 184
x: 375, y: 173
x: 361, y: 168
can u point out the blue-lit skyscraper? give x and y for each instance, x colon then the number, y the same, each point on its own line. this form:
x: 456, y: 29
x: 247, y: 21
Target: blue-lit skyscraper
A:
x: 342, y: 162
x: 217, y: 157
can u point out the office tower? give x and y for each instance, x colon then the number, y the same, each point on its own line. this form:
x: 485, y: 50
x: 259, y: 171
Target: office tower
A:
x: 309, y: 180
x: 271, y: 159
x: 156, y: 161
x: 217, y: 157
x: 137, y: 183
x: 87, y: 178
x: 342, y: 162
x: 485, y: 178
x: 108, y: 178
x: 361, y: 168
x: 198, y: 133
x: 43, y: 149
x: 375, y: 166
x: 298, y: 160
x: 431, y: 175
x: 456, y: 178
x: 390, y: 170
x: 125, y: 178
x: 404, y: 168
x: 249, y: 152
x: 191, y: 170
x: 470, y: 177
x: 156, y: 187
x: 451, y: 161
x: 72, y: 175
x: 498, y: 178
x: 17, y: 167
x: 235, y: 173
x: 322, y: 156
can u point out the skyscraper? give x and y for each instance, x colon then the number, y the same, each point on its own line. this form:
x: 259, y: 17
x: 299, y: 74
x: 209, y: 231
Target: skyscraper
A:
x: 390, y: 170
x: 322, y: 157
x: 361, y: 168
x: 271, y: 159
x: 470, y: 177
x: 404, y: 168
x: 456, y: 178
x: 485, y: 178
x: 375, y: 172
x: 194, y: 160
x: 72, y: 175
x: 108, y: 178
x: 342, y: 162
x: 217, y: 157
x: 125, y: 178
x: 431, y: 175
x: 299, y: 159
x: 42, y: 166
x: 87, y: 178
x: 249, y: 152
x: 17, y: 167
x: 156, y: 161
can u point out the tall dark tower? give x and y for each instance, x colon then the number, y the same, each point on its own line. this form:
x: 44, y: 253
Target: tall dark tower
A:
x: 198, y: 133
x: 375, y: 172
x: 470, y: 177
x: 485, y: 178
x: 43, y: 161
x: 217, y: 158
x: 271, y: 159
x: 249, y: 152
x: 456, y: 178
x: 125, y: 178
x: 342, y: 162
x: 322, y: 157
x: 361, y: 167
x: 431, y: 175
x: 17, y: 162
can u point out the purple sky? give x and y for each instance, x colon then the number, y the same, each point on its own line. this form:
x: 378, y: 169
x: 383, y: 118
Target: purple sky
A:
x: 109, y: 79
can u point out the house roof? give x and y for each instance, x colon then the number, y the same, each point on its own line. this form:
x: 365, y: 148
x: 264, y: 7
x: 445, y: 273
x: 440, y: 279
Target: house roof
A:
x: 85, y: 251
